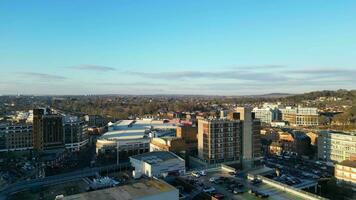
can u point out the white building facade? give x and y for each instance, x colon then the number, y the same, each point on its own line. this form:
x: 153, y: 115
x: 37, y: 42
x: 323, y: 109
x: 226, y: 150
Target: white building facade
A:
x: 157, y: 164
x: 336, y: 146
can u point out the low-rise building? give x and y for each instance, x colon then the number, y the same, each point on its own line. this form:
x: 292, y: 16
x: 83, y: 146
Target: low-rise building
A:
x: 292, y: 142
x: 157, y: 164
x: 275, y: 148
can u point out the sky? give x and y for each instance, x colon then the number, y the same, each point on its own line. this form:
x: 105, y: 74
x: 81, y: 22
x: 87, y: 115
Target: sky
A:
x: 237, y: 47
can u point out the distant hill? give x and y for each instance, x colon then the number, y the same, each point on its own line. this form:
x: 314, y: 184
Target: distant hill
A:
x: 277, y: 95
x: 270, y: 95
x: 341, y: 93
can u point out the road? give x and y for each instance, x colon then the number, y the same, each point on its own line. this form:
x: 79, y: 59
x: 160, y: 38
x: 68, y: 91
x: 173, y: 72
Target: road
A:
x: 57, y: 179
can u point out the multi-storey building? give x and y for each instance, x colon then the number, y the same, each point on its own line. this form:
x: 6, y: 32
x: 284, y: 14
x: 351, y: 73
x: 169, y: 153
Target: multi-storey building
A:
x: 266, y: 115
x: 47, y: 130
x: 15, y: 137
x: 219, y: 140
x: 230, y: 140
x: 336, y: 146
x: 345, y: 171
x: 75, y: 133
x: 95, y: 120
x: 300, y: 116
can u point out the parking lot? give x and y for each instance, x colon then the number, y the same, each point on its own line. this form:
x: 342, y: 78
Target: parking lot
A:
x: 223, y: 187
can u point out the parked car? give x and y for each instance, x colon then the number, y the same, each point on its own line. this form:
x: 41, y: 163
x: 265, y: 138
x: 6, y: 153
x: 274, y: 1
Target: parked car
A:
x: 256, y: 181
x: 209, y: 189
x: 219, y: 196
x: 202, y: 173
x: 232, y: 173
x: 213, y: 179
x: 196, y: 174
x: 238, y: 191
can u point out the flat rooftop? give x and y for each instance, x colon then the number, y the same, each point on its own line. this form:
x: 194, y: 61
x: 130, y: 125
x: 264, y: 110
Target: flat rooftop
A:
x: 134, y: 129
x: 156, y: 157
x: 274, y: 192
x: 143, y: 188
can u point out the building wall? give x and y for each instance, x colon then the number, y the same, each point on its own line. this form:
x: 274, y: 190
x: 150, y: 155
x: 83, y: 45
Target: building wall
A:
x: 127, y: 147
x: 47, y: 130
x: 173, y: 165
x: 168, y: 195
x: 75, y: 135
x: 188, y: 133
x: 313, y: 138
x: 15, y: 137
x: 301, y: 116
x: 158, y: 169
x: 345, y: 173
x: 53, y: 135
x: 266, y: 115
x: 173, y: 145
x: 336, y: 146
x: 256, y: 129
x: 219, y: 140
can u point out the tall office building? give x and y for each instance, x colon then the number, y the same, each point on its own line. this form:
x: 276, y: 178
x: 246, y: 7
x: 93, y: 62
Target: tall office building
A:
x: 219, y: 140
x: 47, y: 130
x: 251, y: 143
x: 75, y: 133
x: 235, y: 139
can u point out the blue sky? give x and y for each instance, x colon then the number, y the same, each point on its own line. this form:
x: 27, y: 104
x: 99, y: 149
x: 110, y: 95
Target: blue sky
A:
x: 220, y: 47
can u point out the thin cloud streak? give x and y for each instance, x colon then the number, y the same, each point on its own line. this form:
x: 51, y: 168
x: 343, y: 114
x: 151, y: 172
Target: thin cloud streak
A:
x: 231, y: 74
x: 90, y: 67
x: 42, y: 76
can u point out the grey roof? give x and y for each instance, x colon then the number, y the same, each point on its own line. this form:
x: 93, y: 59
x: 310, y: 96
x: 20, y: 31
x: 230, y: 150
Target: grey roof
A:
x: 156, y: 157
x: 138, y: 190
x: 348, y: 163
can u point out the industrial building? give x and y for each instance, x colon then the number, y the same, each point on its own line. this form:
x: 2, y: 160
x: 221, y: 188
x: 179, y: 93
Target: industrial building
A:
x: 157, y: 164
x: 132, y: 137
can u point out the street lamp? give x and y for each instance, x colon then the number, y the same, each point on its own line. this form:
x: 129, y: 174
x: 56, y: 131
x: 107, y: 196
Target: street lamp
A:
x: 117, y: 153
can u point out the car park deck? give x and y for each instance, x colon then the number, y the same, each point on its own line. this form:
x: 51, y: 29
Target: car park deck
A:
x: 222, y: 188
